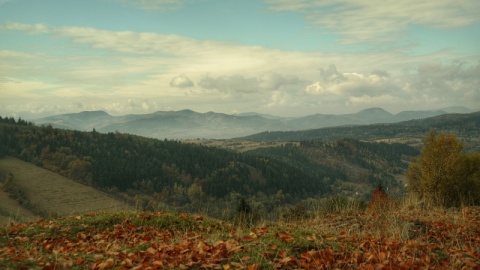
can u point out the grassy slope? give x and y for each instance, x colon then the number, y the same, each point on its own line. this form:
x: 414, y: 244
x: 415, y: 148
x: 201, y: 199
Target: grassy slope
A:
x: 12, y: 211
x: 55, y: 194
x: 439, y: 239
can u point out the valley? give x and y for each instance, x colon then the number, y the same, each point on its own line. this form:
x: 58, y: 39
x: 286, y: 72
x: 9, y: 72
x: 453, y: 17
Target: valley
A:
x: 191, y: 125
x: 307, y: 199
x: 272, y: 171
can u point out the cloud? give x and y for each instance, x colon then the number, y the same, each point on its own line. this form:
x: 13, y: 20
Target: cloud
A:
x: 23, y: 88
x: 430, y: 83
x: 457, y: 81
x: 331, y: 75
x: 181, y: 81
x: 153, y: 4
x: 30, y: 28
x: 233, y: 83
x: 358, y: 21
x: 275, y: 81
x: 381, y: 73
x: 14, y: 54
x: 269, y: 81
x: 106, y: 68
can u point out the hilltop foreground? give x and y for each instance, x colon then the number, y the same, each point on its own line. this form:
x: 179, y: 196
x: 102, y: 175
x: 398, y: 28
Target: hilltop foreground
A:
x: 347, y: 239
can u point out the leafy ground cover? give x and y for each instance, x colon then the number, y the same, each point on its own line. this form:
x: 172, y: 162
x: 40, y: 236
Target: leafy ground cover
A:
x: 399, y: 239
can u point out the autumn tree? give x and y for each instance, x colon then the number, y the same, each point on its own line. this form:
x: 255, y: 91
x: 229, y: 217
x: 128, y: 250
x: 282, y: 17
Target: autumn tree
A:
x: 439, y: 176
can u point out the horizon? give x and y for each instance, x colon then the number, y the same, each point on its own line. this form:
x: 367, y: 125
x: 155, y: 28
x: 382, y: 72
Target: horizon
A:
x: 461, y: 108
x: 285, y: 58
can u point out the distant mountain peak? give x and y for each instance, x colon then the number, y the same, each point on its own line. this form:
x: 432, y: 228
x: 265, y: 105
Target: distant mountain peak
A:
x: 186, y: 111
x: 375, y: 110
x: 94, y: 113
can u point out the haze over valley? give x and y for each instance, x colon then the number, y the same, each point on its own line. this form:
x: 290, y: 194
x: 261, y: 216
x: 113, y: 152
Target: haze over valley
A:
x: 187, y: 124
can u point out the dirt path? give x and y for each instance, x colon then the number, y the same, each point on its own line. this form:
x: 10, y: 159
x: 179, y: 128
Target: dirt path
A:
x: 54, y: 193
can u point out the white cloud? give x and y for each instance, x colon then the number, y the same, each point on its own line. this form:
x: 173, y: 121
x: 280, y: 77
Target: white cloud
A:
x: 268, y: 81
x: 30, y: 28
x: 458, y: 81
x: 13, y: 88
x: 234, y: 83
x: 432, y: 83
x: 181, y: 81
x: 377, y: 20
x: 277, y: 98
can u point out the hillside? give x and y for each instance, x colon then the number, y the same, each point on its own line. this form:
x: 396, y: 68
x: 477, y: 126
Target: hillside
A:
x: 187, y: 124
x: 171, y: 175
x: 364, y: 164
x: 11, y: 211
x: 49, y: 194
x: 465, y: 126
x: 345, y: 239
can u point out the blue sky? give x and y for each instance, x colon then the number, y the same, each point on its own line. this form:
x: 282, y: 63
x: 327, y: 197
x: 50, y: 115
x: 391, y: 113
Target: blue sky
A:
x: 282, y: 57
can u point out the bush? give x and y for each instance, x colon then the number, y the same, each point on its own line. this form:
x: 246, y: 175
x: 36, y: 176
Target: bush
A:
x: 245, y: 217
x: 380, y: 203
x: 296, y: 213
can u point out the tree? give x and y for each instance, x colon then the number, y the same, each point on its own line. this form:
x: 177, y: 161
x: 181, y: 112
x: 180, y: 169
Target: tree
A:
x: 439, y: 176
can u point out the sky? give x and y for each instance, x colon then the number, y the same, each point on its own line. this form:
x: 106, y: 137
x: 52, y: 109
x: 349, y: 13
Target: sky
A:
x: 279, y: 57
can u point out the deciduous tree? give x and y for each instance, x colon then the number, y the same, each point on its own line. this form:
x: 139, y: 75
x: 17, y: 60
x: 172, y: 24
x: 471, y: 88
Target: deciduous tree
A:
x: 442, y: 175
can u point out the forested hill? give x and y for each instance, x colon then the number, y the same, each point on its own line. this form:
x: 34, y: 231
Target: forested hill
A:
x: 153, y: 173
x: 123, y: 162
x: 465, y: 126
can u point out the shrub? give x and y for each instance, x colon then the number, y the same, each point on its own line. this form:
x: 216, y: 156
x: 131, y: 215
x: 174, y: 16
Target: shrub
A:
x: 295, y: 213
x: 380, y: 203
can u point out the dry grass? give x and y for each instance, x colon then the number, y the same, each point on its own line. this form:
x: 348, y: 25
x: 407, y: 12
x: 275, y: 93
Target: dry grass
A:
x: 12, y: 212
x: 54, y: 194
x: 345, y: 239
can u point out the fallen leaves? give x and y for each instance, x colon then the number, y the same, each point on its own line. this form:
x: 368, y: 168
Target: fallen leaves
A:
x: 162, y: 240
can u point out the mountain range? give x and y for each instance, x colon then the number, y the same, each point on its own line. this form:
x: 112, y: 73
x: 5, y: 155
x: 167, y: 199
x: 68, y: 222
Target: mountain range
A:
x: 187, y: 124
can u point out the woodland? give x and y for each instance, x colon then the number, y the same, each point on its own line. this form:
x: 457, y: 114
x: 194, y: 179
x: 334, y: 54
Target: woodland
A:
x: 464, y: 126
x: 154, y: 174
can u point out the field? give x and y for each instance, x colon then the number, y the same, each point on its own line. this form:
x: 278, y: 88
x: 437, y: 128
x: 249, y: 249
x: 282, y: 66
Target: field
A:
x: 237, y: 145
x: 345, y: 239
x: 51, y: 193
